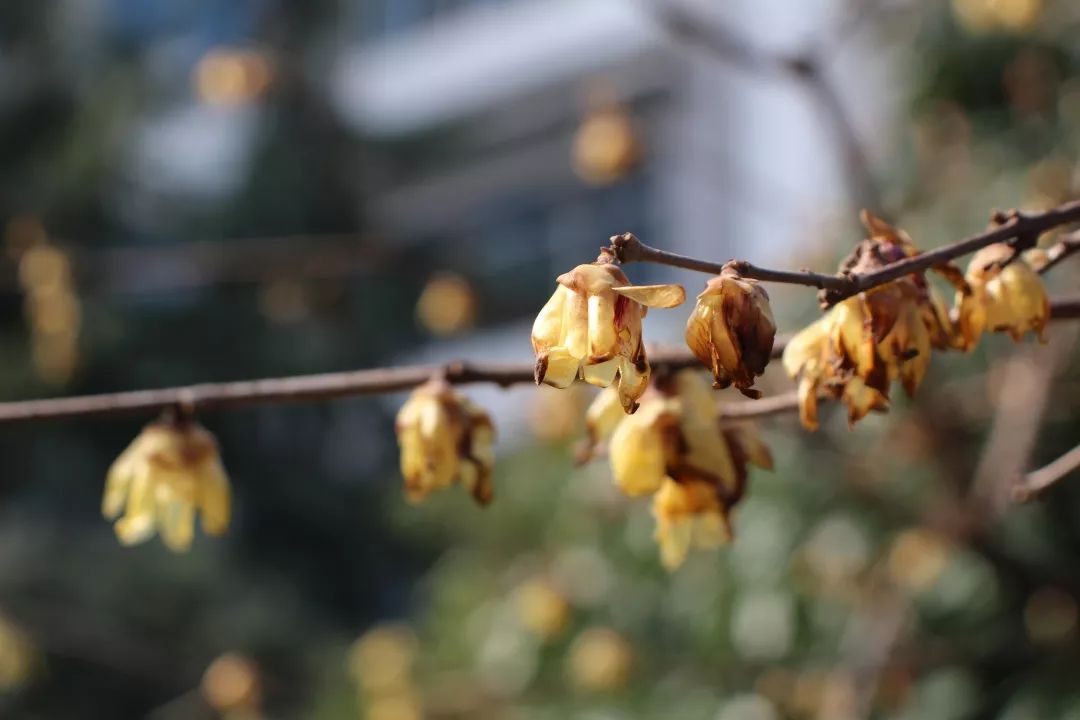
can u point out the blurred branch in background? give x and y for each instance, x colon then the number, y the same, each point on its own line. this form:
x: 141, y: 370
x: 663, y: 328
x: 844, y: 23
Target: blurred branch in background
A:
x: 1024, y: 398
x: 806, y: 68
x: 1038, y: 480
x: 124, y: 270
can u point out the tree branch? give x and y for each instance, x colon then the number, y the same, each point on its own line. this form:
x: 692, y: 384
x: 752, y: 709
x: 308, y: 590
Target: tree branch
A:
x: 805, y: 68
x: 375, y: 381
x: 1023, y: 229
x: 1037, y: 481
x: 1060, y: 250
x: 627, y: 248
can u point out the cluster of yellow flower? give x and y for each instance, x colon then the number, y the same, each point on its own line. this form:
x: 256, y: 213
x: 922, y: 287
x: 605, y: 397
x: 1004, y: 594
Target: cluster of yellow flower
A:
x: 170, y: 471
x: 664, y: 435
x: 675, y: 449
x: 865, y: 342
x: 444, y: 439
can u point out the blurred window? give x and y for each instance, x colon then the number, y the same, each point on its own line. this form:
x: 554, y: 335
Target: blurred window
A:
x: 388, y: 17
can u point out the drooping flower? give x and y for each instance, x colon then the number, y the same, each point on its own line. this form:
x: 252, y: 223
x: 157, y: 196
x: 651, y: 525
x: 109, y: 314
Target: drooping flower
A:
x: 1005, y: 295
x: 732, y: 329
x: 444, y: 439
x: 675, y: 448
x: 867, y: 341
x: 170, y: 472
x: 591, y: 328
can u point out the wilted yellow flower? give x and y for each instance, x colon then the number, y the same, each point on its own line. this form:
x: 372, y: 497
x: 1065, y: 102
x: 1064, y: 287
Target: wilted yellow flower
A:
x: 600, y: 660
x: 169, y: 472
x: 674, y: 447
x: 732, y: 330
x: 444, y: 439
x: 688, y: 514
x: 591, y: 328
x: 1001, y: 297
x: 868, y: 340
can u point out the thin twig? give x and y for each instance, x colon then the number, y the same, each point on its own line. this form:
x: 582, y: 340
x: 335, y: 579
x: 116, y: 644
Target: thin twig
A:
x: 1037, y: 481
x: 1060, y: 250
x: 628, y: 248
x: 376, y: 381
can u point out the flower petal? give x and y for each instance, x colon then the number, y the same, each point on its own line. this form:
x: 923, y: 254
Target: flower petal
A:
x: 658, y: 296
x: 557, y: 367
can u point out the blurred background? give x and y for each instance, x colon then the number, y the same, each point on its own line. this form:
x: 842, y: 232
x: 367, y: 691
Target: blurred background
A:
x: 226, y: 189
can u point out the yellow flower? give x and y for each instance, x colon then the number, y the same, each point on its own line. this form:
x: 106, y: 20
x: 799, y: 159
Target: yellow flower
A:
x: 675, y: 447
x: 591, y: 328
x: 867, y: 341
x: 167, y: 474
x: 1002, y: 297
x: 688, y: 514
x: 444, y: 439
x: 731, y: 330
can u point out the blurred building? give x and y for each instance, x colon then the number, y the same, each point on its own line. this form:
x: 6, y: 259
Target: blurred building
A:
x: 490, y: 94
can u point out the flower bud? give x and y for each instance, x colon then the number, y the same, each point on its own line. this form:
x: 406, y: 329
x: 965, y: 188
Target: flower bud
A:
x: 1005, y: 295
x: 731, y: 330
x: 591, y: 328
x: 444, y: 439
x: 169, y: 472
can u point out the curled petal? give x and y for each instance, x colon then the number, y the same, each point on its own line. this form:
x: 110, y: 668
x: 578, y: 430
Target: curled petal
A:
x: 547, y: 329
x: 657, y: 296
x: 557, y: 367
x: 603, y: 336
x: 808, y: 402
x: 633, y: 379
x: 601, y: 374
x: 860, y: 399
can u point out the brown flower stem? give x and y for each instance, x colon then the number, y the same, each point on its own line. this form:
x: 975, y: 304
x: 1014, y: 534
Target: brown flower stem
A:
x: 627, y: 248
x: 1012, y: 226
x: 357, y: 383
x: 1039, y: 480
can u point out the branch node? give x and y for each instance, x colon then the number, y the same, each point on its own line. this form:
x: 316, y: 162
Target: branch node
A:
x: 625, y: 248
